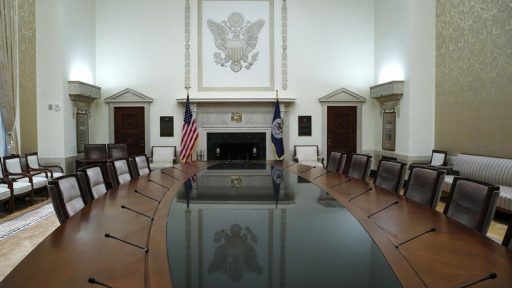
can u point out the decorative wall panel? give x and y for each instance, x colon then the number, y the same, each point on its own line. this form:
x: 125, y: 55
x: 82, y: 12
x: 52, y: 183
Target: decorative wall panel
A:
x: 474, y: 76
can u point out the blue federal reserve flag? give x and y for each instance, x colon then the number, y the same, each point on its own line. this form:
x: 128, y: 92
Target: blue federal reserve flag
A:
x: 277, y: 132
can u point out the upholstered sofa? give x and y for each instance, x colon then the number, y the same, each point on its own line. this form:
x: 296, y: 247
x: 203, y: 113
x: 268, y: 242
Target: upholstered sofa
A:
x: 493, y: 170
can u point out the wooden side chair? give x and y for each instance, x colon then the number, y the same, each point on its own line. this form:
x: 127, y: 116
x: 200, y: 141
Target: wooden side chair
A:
x: 9, y: 189
x: 308, y: 155
x: 35, y: 167
x: 13, y: 170
x: 162, y: 157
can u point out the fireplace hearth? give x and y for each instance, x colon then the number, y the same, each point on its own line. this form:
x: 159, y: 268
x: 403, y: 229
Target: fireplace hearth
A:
x: 236, y: 146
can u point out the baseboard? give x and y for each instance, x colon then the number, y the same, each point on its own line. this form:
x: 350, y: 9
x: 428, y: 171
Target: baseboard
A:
x: 67, y: 163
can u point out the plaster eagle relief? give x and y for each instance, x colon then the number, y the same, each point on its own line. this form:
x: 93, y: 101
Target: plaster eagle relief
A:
x: 236, y: 39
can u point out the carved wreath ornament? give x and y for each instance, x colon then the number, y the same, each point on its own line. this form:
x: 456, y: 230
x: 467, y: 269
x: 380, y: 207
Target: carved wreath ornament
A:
x: 236, y: 39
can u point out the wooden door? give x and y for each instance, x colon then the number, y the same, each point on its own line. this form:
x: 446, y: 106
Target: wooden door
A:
x: 342, y: 130
x: 129, y: 128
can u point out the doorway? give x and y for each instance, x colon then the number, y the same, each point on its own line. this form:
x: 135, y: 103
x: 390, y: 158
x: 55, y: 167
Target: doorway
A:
x: 342, y: 131
x: 129, y: 128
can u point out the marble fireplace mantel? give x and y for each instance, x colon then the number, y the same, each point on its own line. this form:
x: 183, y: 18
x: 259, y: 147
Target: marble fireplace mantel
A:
x: 236, y: 117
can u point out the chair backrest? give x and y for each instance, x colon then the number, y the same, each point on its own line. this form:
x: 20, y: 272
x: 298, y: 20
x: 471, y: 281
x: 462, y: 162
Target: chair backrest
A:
x: 95, y: 151
x: 141, y: 165
x: 12, y: 164
x: 425, y: 185
x: 390, y: 175
x: 472, y: 203
x: 120, y: 171
x: 438, y: 158
x: 94, y: 180
x: 67, y: 196
x: 306, y: 152
x: 163, y: 154
x: 360, y: 166
x: 333, y: 163
x: 343, y: 162
x: 32, y: 160
x: 117, y: 151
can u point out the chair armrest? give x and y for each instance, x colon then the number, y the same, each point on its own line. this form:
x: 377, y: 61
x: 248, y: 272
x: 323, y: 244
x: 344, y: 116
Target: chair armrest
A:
x: 448, y: 169
x: 55, y: 167
x: 321, y: 160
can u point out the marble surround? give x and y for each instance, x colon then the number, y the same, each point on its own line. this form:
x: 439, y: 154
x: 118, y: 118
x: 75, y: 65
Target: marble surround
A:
x: 256, y: 118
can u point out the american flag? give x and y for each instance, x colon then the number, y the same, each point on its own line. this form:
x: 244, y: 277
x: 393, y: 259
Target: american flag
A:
x: 189, y: 134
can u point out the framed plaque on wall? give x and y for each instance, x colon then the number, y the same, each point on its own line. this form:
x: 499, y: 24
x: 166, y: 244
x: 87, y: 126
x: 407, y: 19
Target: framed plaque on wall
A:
x: 388, y: 130
x: 304, y: 125
x: 82, y: 131
x: 166, y: 126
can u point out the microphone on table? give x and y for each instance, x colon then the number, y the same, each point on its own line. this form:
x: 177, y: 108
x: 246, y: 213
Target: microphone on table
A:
x: 321, y: 175
x: 433, y: 229
x: 163, y: 172
x: 138, y: 212
x: 178, y: 169
x: 146, y: 250
x: 380, y: 210
x: 360, y: 194
x: 150, y: 180
x: 149, y: 197
x: 488, y: 277
x: 340, y: 183
x: 96, y: 282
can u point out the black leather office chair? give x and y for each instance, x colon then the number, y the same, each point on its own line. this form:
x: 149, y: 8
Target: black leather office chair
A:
x: 390, y: 175
x: 120, y: 172
x: 67, y: 196
x: 425, y: 185
x: 360, y: 166
x: 472, y: 203
x: 117, y: 151
x: 333, y: 163
x: 140, y: 165
x: 93, y: 180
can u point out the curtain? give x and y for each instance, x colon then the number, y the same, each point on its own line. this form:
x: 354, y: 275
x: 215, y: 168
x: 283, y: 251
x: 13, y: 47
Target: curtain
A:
x: 3, y: 142
x: 8, y: 71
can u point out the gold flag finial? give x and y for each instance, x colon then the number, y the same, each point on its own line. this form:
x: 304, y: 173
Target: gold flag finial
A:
x: 277, y: 94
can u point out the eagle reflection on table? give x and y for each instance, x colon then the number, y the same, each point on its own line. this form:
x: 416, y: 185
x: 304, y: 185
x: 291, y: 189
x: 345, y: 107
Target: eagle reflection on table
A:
x: 236, y: 254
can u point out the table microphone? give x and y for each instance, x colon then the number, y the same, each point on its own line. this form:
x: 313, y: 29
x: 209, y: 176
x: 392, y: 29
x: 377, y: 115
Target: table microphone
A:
x: 380, y: 210
x: 146, y: 196
x: 340, y: 183
x: 360, y: 194
x: 96, y: 282
x: 488, y: 277
x: 433, y: 229
x: 163, y: 172
x: 321, y: 175
x: 150, y: 180
x: 178, y: 169
x: 138, y: 212
x: 146, y: 250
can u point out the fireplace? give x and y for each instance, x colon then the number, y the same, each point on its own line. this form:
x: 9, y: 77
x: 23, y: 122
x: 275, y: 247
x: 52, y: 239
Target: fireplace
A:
x: 241, y: 146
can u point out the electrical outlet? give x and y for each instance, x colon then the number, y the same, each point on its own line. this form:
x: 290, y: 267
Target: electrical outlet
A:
x: 50, y: 107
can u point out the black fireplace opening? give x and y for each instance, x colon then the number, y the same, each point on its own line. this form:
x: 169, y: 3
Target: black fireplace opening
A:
x: 236, y: 146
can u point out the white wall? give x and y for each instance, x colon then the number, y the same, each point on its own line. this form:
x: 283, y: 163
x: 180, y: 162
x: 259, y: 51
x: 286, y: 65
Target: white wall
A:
x: 140, y: 45
x: 405, y: 50
x: 65, y: 51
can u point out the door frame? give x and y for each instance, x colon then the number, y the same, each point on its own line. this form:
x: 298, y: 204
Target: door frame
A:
x: 130, y: 98
x: 342, y: 97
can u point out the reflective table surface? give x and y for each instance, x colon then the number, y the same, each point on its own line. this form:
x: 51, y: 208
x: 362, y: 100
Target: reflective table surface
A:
x: 267, y: 227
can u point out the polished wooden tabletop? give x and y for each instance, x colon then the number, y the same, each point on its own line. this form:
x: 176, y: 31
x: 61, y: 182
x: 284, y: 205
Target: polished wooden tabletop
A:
x: 451, y: 256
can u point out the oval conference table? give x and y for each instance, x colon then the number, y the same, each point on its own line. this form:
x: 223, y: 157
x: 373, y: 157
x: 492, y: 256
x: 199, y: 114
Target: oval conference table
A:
x: 274, y: 224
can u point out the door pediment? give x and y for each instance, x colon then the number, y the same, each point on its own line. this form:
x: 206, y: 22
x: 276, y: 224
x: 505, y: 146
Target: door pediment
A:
x: 342, y: 95
x: 128, y: 96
